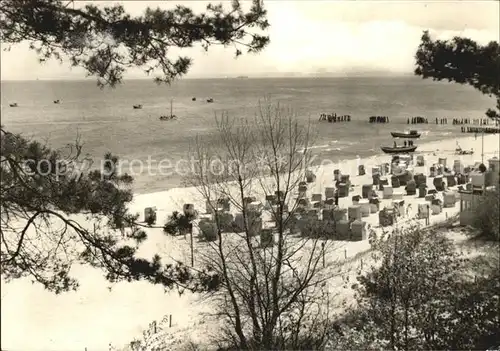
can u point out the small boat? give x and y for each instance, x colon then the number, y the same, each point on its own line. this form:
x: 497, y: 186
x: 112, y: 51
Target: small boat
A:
x: 464, y: 152
x: 210, y: 100
x: 13, y: 105
x: 412, y: 134
x: 398, y: 149
x: 460, y: 151
x: 137, y: 107
x: 57, y: 101
x: 168, y: 118
x: 193, y: 99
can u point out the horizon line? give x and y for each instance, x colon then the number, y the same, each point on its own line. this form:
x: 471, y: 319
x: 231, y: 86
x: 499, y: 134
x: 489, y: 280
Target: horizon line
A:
x: 290, y: 75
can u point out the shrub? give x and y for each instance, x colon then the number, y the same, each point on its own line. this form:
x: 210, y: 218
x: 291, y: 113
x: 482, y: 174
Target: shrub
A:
x: 178, y: 224
x: 487, y: 215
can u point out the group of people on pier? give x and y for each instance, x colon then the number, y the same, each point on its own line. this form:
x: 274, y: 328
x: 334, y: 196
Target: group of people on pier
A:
x: 379, y: 119
x: 334, y: 118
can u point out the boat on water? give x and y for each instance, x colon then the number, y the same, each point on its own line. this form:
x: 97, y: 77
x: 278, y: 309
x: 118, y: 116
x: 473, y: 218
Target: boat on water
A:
x: 137, y: 107
x: 412, y: 134
x: 210, y: 100
x: 398, y: 149
x: 171, y: 116
x: 167, y: 118
x: 57, y: 101
x: 460, y: 151
x: 13, y: 105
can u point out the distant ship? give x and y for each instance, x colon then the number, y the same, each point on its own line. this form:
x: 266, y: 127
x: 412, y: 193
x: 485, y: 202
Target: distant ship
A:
x: 242, y: 77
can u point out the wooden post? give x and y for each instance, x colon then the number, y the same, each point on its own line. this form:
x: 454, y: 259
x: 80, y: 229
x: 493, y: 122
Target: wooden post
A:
x: 192, y: 246
x: 361, y: 264
x: 323, y: 248
x: 154, y: 327
x: 482, y: 147
x: 345, y: 254
x: 170, y: 321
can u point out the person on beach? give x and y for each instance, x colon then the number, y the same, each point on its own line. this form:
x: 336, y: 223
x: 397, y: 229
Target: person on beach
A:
x: 408, y: 208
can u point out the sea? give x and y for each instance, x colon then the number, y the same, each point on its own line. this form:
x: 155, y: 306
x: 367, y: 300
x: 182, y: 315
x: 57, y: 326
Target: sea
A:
x: 104, y: 120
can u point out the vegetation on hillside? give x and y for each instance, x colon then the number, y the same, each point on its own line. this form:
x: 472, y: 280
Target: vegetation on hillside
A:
x: 422, y: 294
x: 487, y: 219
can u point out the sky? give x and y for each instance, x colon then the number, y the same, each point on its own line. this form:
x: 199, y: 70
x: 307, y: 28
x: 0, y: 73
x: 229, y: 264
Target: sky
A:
x: 310, y: 37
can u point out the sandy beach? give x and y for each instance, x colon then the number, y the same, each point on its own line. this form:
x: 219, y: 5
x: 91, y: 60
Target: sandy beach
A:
x: 100, y: 313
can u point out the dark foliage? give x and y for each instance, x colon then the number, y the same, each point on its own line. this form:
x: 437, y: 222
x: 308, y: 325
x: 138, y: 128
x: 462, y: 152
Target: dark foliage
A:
x: 424, y: 297
x: 56, y: 211
x: 178, y: 223
x: 463, y: 61
x: 106, y: 41
x: 487, y: 215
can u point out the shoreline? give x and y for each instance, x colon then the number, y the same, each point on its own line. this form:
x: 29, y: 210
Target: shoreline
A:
x: 70, y: 319
x: 348, y: 254
x: 422, y: 149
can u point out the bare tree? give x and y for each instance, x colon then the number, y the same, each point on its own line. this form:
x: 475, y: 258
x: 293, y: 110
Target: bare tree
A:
x: 273, y: 291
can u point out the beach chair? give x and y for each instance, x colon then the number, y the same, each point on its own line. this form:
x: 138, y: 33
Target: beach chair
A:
x: 365, y: 207
x: 266, y: 238
x: 374, y: 204
x: 354, y: 212
x: 358, y: 230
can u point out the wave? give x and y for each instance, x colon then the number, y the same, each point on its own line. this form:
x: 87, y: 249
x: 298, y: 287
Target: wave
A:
x: 298, y: 90
x: 64, y: 122
x: 318, y: 146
